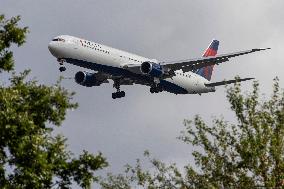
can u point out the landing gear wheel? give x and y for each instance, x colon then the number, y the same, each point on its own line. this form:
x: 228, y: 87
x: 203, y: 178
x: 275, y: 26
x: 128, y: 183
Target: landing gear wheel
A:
x: 122, y: 94
x: 156, y: 89
x: 62, y: 69
x: 113, y: 95
x: 118, y: 94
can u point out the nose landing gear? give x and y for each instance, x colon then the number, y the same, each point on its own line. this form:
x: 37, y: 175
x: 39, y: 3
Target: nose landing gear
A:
x: 61, y: 68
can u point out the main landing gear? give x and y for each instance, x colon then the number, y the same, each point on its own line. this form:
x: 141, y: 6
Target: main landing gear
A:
x: 156, y: 89
x: 61, y: 68
x: 156, y: 86
x: 118, y: 94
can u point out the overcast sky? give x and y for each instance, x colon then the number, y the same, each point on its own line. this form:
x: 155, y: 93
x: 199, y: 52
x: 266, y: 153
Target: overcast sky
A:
x: 162, y: 29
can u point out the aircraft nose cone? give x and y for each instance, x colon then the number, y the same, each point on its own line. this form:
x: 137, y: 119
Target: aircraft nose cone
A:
x: 52, y: 47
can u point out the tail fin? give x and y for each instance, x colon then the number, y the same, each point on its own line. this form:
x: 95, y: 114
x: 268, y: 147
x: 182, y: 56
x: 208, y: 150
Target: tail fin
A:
x: 206, y: 72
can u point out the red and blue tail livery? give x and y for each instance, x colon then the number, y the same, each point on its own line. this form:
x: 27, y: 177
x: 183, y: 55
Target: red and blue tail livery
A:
x: 212, y: 49
x: 206, y: 72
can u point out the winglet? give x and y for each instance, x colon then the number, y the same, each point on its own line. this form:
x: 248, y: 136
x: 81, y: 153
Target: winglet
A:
x: 260, y: 49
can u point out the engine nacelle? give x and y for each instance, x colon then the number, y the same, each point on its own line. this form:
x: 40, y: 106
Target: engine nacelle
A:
x: 86, y: 79
x: 152, y: 69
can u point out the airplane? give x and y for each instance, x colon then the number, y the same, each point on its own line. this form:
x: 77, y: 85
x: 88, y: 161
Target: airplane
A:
x: 190, y: 76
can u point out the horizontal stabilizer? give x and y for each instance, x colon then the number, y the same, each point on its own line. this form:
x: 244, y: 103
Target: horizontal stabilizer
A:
x: 226, y: 82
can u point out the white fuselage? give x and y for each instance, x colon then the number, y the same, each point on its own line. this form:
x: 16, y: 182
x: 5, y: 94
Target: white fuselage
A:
x: 87, y: 51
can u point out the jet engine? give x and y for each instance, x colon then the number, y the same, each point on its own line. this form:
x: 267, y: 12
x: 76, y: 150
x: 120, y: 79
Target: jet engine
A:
x: 86, y: 79
x: 152, y: 69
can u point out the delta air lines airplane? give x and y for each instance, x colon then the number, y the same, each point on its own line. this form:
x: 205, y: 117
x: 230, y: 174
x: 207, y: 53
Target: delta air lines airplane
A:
x: 191, y: 76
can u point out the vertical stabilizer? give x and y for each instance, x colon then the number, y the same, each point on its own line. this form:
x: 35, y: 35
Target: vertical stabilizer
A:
x: 206, y: 72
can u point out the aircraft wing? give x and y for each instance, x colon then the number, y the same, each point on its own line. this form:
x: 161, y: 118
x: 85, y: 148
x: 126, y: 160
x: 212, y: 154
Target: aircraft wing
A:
x: 195, y: 64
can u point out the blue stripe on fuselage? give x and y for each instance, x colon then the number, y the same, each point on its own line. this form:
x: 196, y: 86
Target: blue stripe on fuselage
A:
x: 115, y: 71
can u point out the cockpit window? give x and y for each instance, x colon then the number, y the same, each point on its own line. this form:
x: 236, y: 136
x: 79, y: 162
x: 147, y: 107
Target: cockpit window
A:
x: 58, y: 39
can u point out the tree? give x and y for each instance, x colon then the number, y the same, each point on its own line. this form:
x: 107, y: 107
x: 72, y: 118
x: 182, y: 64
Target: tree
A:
x: 31, y: 156
x: 10, y: 33
x: 245, y: 154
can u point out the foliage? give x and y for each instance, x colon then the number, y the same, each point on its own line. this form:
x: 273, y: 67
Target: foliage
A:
x: 245, y: 154
x: 10, y: 33
x: 31, y: 156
